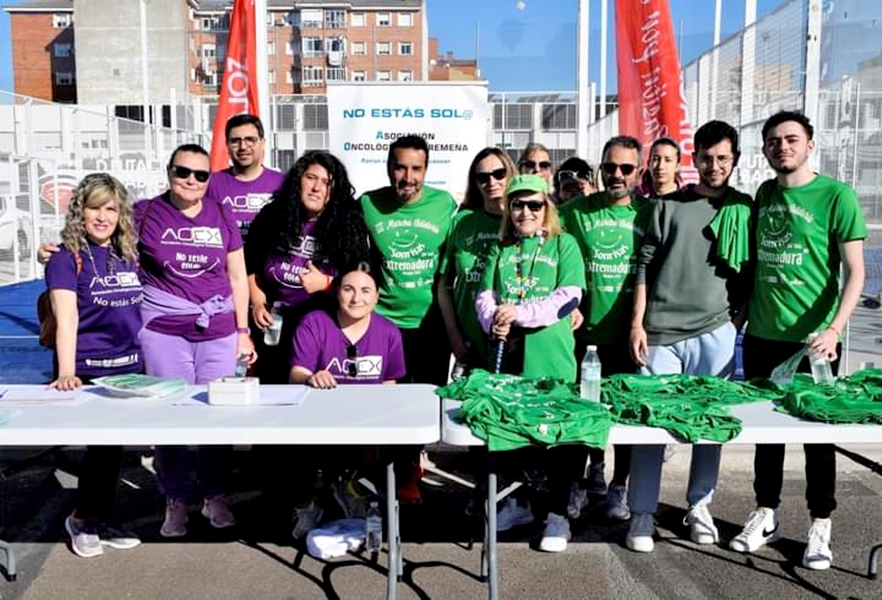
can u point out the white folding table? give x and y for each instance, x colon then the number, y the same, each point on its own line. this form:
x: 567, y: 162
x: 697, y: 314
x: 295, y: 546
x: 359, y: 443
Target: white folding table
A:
x: 348, y: 415
x: 761, y: 424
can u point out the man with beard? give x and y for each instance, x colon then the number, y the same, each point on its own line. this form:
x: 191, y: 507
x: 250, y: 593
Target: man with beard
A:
x: 408, y: 224
x: 246, y: 186
x: 609, y: 227
x: 690, y: 288
x: 807, y: 225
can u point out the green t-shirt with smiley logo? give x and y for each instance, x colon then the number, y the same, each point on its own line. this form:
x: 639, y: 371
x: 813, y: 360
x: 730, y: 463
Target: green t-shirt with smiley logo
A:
x: 608, y: 237
x: 474, y: 233
x: 529, y: 271
x: 798, y: 232
x: 410, y: 238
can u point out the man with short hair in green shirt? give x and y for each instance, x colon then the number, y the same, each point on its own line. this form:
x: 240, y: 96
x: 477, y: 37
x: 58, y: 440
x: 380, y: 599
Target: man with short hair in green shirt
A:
x: 807, y: 225
x: 609, y: 226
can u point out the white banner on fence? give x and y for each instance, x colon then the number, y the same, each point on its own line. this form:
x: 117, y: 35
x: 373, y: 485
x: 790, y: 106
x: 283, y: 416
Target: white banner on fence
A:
x: 364, y: 118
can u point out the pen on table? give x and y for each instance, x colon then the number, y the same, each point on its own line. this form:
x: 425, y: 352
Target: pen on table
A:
x: 3, y: 393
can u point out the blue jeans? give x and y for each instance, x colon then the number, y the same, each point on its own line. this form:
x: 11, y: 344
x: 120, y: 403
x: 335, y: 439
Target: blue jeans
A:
x: 196, y: 363
x: 710, y: 353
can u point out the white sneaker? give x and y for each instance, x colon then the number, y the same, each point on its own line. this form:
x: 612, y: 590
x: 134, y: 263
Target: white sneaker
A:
x: 761, y: 528
x: 556, y: 534
x: 818, y: 555
x: 639, y: 538
x: 701, y: 525
x: 578, y: 501
x: 513, y: 515
x: 617, y: 503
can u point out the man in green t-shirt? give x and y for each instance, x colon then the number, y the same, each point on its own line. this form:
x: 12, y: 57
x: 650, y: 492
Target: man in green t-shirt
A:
x: 609, y: 226
x: 807, y: 225
x: 689, y: 289
x: 409, y: 223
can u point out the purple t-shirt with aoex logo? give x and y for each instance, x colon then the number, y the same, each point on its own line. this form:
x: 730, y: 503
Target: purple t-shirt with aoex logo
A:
x: 281, y: 273
x: 244, y: 198
x: 320, y: 345
x: 187, y: 257
x: 108, y: 303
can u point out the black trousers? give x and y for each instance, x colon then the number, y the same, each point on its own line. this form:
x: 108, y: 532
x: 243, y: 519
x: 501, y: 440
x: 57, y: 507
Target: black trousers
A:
x: 426, y: 351
x: 761, y: 356
x: 98, y: 480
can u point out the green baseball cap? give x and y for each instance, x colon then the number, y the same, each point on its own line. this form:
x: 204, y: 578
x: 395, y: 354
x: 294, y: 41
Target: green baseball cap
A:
x: 527, y: 183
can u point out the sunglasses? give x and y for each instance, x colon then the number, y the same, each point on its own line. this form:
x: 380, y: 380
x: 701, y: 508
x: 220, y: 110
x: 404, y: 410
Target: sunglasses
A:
x: 248, y: 140
x: 184, y: 173
x: 484, y: 177
x: 352, y: 355
x: 610, y: 168
x: 534, y: 205
x: 532, y: 165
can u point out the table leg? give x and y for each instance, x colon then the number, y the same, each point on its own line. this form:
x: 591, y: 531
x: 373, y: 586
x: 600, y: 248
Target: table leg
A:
x: 10, y: 560
x: 872, y: 567
x: 490, y: 534
x: 392, y: 534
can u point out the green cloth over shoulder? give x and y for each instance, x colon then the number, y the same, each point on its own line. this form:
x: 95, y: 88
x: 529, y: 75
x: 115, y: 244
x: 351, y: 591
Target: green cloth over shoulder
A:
x: 689, y: 407
x: 731, y: 226
x: 510, y: 412
x: 853, y: 399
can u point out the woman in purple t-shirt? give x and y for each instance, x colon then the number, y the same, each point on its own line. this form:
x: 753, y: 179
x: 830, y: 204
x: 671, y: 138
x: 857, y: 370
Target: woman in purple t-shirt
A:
x: 195, y: 314
x: 95, y: 293
x: 299, y: 241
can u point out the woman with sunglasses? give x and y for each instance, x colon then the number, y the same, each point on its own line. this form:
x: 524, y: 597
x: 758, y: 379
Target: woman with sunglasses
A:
x: 533, y: 280
x: 95, y: 294
x: 536, y: 160
x: 574, y: 177
x: 662, y: 178
x: 475, y: 230
x: 301, y: 240
x: 195, y: 314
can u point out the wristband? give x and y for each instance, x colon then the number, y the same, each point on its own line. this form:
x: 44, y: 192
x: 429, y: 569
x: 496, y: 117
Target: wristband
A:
x: 834, y: 330
x: 243, y: 330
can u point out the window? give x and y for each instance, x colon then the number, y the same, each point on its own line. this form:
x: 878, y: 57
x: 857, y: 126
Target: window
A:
x: 358, y: 76
x: 405, y: 19
x: 61, y: 20
x: 311, y: 17
x: 335, y: 19
x: 63, y: 78
x: 336, y: 74
x: 559, y: 116
x: 384, y: 48
x: 384, y: 20
x: 405, y: 48
x: 334, y: 45
x: 358, y: 49
x: 289, y: 77
x: 208, y: 51
x: 61, y: 50
x: 384, y: 76
x: 315, y: 117
x: 312, y: 76
x: 271, y: 77
x: 313, y: 47
x: 291, y: 48
x: 271, y: 48
x: 356, y: 19
x: 405, y: 75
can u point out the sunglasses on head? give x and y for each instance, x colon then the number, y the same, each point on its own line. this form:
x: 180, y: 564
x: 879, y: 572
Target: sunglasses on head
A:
x: 533, y: 205
x: 483, y: 177
x: 610, y: 168
x: 184, y: 173
x: 532, y: 165
x: 352, y: 355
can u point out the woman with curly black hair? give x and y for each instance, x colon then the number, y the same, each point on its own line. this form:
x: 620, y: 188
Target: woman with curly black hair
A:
x: 310, y: 231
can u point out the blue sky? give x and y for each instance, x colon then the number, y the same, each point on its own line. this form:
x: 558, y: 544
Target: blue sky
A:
x: 531, y: 49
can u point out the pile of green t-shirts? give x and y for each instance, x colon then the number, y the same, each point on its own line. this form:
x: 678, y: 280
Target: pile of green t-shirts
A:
x: 509, y: 412
x: 689, y: 407
x: 853, y: 399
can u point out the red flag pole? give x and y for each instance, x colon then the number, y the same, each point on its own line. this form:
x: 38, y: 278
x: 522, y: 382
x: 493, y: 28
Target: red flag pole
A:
x: 239, y: 90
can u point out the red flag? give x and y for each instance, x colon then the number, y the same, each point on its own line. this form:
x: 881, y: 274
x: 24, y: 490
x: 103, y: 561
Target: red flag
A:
x: 650, y: 84
x: 239, y: 90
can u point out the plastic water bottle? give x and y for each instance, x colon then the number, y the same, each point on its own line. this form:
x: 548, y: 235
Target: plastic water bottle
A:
x: 273, y: 333
x: 458, y: 371
x: 821, y: 371
x: 242, y: 365
x: 373, y: 528
x: 590, y: 383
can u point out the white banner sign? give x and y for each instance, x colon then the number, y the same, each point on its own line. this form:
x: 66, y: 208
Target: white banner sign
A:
x: 365, y: 118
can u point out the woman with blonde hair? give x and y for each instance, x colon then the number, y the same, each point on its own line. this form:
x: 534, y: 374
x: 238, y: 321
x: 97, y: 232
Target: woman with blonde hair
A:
x: 534, y: 279
x: 96, y: 294
x: 474, y: 232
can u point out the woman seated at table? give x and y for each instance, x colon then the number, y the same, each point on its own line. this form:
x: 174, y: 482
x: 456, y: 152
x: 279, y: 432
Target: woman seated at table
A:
x: 95, y: 294
x: 533, y: 280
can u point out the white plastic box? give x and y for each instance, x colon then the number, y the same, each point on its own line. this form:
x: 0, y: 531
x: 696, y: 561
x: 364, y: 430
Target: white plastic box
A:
x: 234, y: 391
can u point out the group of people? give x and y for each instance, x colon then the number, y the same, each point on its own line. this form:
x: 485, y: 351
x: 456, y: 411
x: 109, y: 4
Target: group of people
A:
x: 536, y: 262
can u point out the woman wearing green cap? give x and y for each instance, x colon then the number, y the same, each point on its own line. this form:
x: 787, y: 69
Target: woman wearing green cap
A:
x: 533, y: 280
